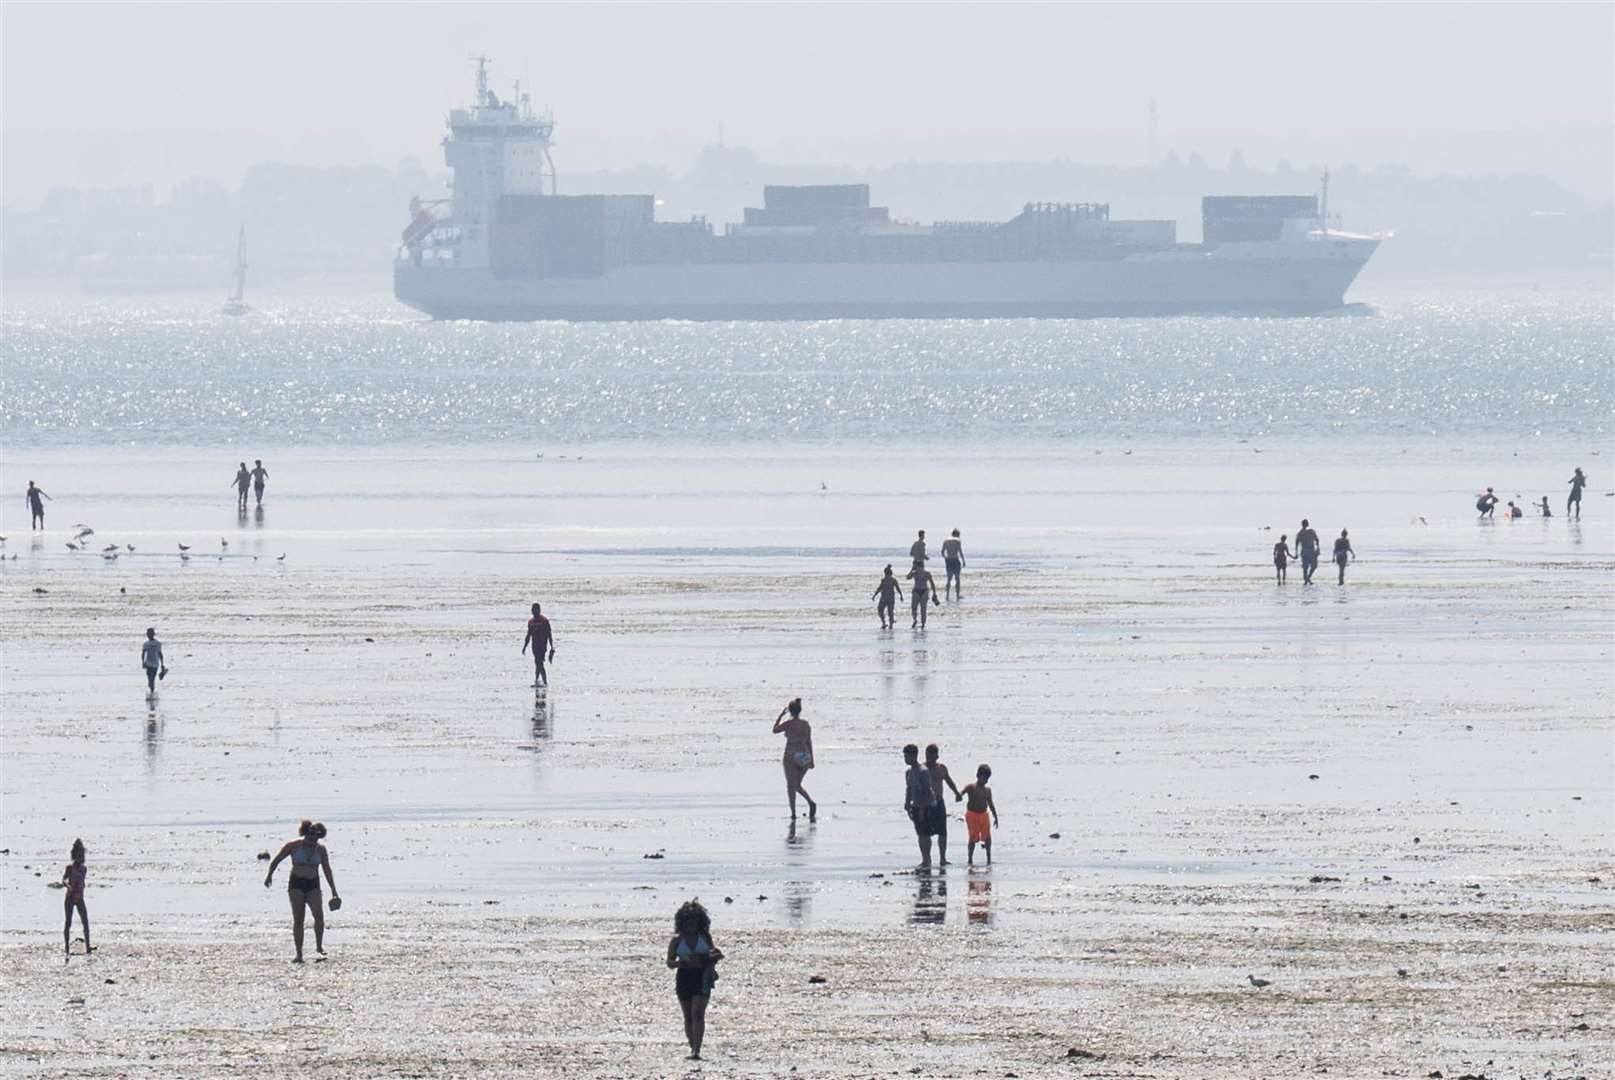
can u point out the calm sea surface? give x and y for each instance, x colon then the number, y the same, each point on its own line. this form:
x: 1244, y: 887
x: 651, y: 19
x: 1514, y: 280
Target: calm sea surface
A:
x: 323, y: 372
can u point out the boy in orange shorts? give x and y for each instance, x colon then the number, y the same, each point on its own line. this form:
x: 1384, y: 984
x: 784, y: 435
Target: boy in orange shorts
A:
x: 980, y: 798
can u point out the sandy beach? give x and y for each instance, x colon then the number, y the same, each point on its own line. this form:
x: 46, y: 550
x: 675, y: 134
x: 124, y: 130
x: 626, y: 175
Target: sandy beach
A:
x: 1391, y: 801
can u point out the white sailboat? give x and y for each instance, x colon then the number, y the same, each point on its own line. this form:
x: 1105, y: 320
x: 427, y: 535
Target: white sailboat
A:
x: 237, y: 304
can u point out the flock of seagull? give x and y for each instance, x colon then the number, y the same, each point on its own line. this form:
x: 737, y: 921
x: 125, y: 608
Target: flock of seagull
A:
x: 81, y: 542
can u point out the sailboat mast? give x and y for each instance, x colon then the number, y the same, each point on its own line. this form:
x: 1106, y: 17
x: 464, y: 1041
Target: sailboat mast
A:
x: 241, y: 265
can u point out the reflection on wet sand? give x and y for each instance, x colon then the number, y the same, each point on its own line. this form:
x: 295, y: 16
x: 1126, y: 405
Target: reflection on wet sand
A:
x: 799, y: 872
x: 154, y: 725
x: 543, y: 717
x: 979, y: 902
x: 930, y: 898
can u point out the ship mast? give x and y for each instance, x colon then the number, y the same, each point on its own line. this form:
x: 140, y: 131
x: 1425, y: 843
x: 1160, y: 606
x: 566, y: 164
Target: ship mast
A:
x: 1323, y: 204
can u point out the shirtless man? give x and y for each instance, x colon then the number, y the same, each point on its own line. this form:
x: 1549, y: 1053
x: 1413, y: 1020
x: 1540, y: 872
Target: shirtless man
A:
x: 1306, y: 546
x: 259, y: 475
x: 953, y: 554
x: 888, y: 591
x: 36, y: 508
x: 936, y: 820
x: 539, y: 635
x: 916, y: 551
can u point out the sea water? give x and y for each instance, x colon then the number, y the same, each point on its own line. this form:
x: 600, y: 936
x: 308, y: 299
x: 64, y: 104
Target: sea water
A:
x: 704, y: 511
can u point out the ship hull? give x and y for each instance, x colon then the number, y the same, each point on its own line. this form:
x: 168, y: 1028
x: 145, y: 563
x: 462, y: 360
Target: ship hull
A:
x: 1311, y: 278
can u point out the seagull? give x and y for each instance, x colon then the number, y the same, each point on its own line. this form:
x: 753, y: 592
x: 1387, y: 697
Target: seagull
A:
x: 1259, y: 983
x: 110, y: 556
x: 184, y: 557
x: 72, y: 546
x: 2, y: 539
x: 185, y: 547
x: 109, y: 547
x: 281, y: 557
x: 223, y: 543
x: 131, y: 547
x: 1127, y: 451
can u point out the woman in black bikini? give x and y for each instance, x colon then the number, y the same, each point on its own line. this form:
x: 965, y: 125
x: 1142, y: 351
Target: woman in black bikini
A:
x: 308, y: 857
x: 798, y: 754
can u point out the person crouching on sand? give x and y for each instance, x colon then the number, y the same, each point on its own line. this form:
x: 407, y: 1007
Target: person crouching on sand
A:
x: 692, y: 956
x: 73, y: 879
x: 308, y: 857
x: 798, y: 755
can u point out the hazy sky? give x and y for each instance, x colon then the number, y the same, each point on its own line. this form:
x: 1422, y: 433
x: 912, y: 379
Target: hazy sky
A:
x: 776, y: 73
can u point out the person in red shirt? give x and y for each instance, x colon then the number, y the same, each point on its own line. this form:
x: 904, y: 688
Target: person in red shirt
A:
x: 539, y: 636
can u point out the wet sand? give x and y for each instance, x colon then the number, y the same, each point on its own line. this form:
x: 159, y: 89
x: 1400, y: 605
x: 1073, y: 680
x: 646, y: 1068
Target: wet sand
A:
x: 1122, y: 658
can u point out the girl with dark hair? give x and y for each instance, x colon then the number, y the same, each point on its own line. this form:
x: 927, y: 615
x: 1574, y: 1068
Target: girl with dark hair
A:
x: 692, y: 956
x: 308, y: 857
x: 73, y: 877
x: 798, y: 754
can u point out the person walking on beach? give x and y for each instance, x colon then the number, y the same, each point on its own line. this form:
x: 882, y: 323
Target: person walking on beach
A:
x: 953, y: 555
x: 798, y: 755
x: 923, y: 589
x: 887, y: 592
x: 1486, y: 503
x: 1343, y: 552
x: 308, y: 857
x: 259, y: 476
x: 916, y: 551
x: 918, y: 794
x: 539, y: 635
x: 1282, y: 556
x: 242, y: 482
x: 1576, y: 482
x: 979, y: 800
x: 151, y: 658
x: 936, y: 821
x: 73, y: 900
x: 693, y: 957
x: 36, y: 508
x: 1306, y: 546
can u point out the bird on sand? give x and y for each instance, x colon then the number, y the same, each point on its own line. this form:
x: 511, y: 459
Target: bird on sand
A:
x: 184, y: 557
x: 1259, y: 983
x: 185, y: 547
x: 223, y: 543
x: 281, y: 557
x: 110, y: 556
x: 131, y: 547
x: 72, y: 546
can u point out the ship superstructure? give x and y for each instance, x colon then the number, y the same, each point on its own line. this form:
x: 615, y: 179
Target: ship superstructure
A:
x: 509, y: 246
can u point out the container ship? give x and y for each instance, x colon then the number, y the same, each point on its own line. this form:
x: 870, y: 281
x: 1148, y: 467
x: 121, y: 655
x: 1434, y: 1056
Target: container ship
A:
x: 508, y: 246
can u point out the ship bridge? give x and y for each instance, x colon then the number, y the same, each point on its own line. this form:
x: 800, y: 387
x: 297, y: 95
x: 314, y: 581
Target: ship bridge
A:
x: 495, y: 148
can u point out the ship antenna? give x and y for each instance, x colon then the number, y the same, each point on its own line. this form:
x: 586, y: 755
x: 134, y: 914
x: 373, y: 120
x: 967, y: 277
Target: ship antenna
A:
x: 482, y: 80
x: 1323, y: 209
